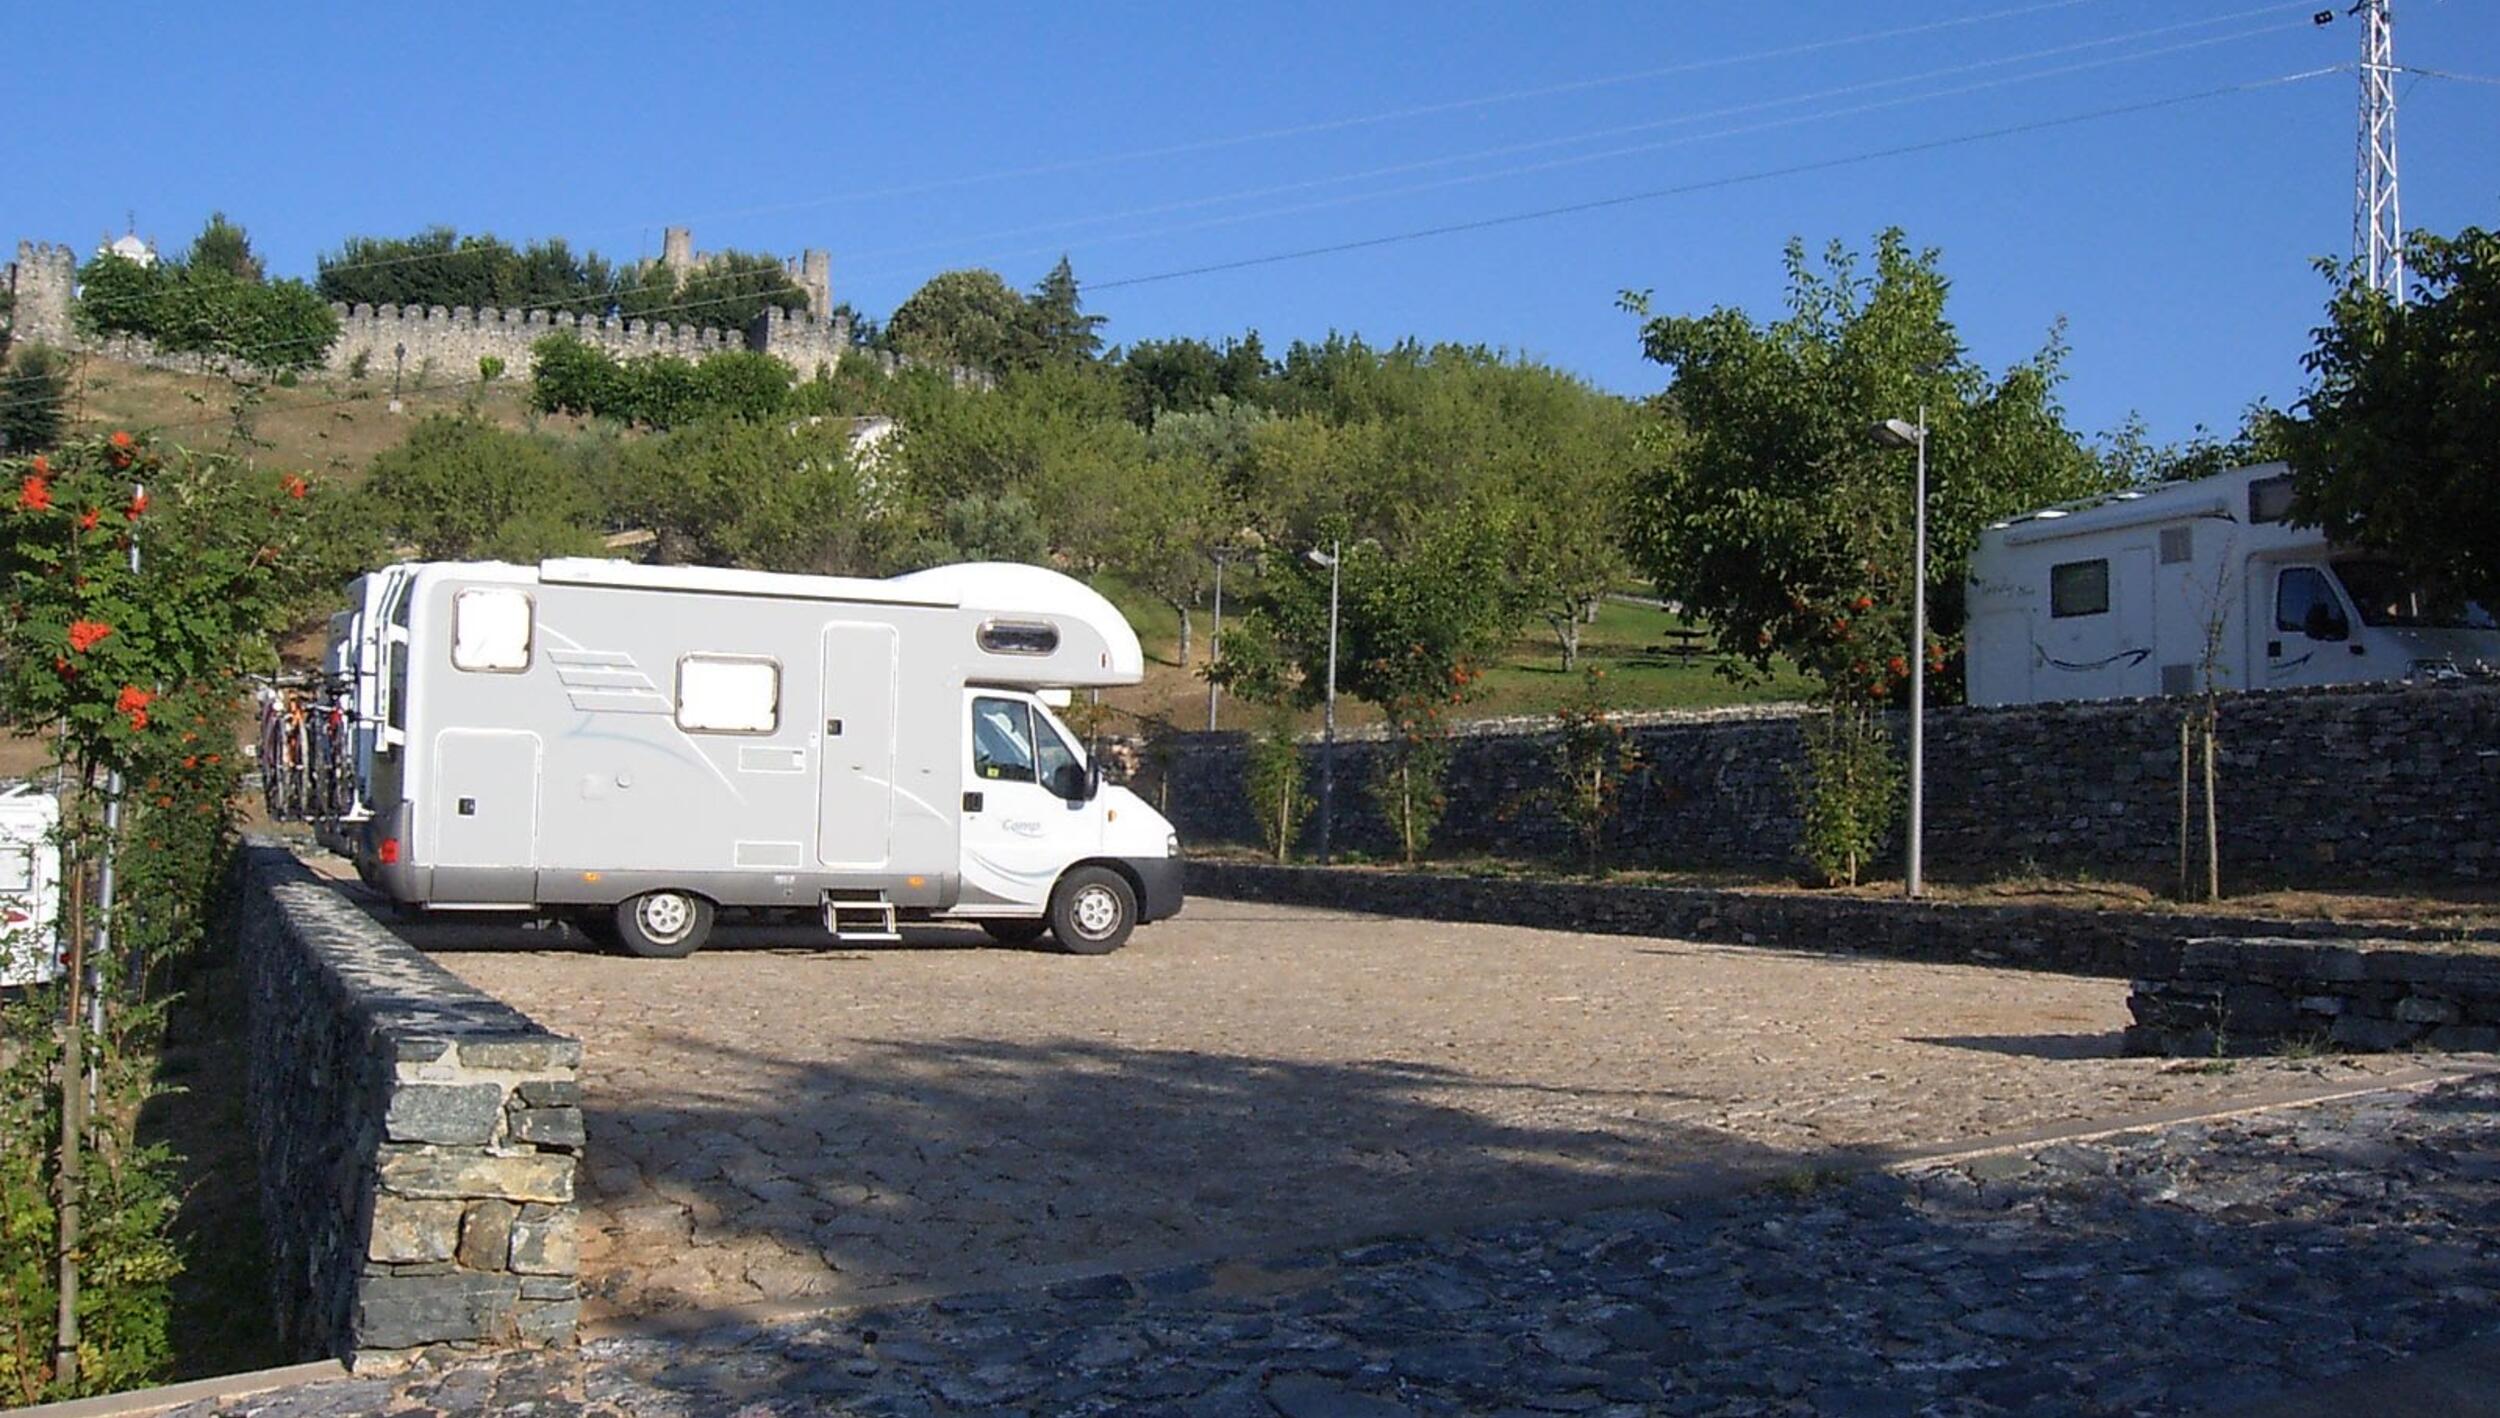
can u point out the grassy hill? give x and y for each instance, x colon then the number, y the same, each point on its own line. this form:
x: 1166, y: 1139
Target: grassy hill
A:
x: 338, y: 425
x: 335, y: 426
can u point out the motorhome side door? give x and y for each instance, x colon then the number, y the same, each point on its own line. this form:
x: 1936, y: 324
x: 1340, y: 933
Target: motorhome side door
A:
x: 855, y: 803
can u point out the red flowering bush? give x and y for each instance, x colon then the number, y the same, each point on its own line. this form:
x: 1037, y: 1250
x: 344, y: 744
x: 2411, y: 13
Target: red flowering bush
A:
x: 89, y: 644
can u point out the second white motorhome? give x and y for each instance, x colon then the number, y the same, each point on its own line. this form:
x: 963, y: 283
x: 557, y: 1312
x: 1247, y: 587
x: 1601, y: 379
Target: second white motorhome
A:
x: 635, y: 747
x: 30, y: 887
x: 2152, y: 591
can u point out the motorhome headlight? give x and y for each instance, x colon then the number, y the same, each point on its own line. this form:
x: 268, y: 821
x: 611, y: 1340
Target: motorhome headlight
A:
x: 1171, y: 844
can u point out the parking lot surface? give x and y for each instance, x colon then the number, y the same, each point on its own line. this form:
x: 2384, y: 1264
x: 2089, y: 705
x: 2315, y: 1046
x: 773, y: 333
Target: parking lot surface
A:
x: 781, y: 1119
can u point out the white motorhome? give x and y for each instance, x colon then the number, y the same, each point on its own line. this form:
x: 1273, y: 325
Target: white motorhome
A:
x: 635, y: 746
x: 30, y: 887
x: 2144, y: 592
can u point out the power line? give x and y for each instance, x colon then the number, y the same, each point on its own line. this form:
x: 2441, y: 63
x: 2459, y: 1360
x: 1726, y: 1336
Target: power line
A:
x: 1710, y: 184
x: 1400, y: 114
x: 1300, y: 130
x: 1631, y: 150
x: 1890, y: 81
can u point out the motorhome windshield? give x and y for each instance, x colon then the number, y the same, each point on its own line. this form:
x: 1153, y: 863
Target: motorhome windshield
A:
x: 2384, y: 595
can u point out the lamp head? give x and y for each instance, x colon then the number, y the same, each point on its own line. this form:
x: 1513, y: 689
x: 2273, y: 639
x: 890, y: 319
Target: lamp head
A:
x: 1899, y: 433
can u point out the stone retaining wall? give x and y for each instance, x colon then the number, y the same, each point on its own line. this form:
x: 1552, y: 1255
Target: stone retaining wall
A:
x: 2060, y: 938
x: 417, y: 1138
x: 2252, y: 995
x: 2202, y: 984
x: 2322, y: 787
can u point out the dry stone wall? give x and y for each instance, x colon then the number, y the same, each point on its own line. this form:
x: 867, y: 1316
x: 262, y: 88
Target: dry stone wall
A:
x: 2228, y: 995
x: 417, y: 1139
x: 2324, y: 787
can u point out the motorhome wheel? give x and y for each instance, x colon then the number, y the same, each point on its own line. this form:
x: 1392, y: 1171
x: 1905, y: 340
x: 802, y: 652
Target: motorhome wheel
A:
x: 1093, y: 911
x: 663, y: 925
x: 1015, y: 932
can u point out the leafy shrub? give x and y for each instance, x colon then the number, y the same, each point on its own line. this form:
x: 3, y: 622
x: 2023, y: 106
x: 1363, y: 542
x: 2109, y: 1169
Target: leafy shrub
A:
x: 359, y: 364
x: 490, y: 368
x: 1848, y: 792
x: 1273, y: 778
x: 1592, y: 756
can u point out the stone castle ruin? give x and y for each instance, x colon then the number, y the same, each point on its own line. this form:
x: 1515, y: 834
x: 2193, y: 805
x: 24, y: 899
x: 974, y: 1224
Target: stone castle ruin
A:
x: 448, y: 343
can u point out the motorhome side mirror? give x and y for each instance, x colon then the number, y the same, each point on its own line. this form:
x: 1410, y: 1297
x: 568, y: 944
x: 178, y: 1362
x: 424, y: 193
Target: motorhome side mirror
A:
x: 1093, y: 779
x: 1070, y: 781
x: 2324, y: 622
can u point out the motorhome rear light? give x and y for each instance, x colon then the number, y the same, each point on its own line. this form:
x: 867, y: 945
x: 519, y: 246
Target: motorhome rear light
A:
x: 388, y: 852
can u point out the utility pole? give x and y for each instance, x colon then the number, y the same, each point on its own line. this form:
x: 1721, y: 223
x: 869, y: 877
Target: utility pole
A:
x: 2378, y: 236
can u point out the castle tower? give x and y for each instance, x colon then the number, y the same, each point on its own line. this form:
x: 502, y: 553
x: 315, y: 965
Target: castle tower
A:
x: 815, y: 276
x: 677, y: 251
x: 45, y: 278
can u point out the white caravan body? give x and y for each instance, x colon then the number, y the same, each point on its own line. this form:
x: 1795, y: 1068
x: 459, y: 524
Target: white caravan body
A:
x: 580, y: 734
x: 30, y: 887
x: 2147, y: 592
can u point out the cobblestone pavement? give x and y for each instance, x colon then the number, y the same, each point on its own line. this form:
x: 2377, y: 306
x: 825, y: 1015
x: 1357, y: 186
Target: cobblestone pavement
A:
x: 2185, y: 1269
x: 775, y: 1119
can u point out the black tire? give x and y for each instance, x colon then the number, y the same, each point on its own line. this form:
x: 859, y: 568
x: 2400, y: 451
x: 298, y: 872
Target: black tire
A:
x: 1092, y: 911
x: 1015, y: 932
x: 663, y: 925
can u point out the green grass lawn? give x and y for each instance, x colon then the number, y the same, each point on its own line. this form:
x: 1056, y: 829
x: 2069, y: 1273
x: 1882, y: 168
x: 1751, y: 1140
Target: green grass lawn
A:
x: 1632, y: 643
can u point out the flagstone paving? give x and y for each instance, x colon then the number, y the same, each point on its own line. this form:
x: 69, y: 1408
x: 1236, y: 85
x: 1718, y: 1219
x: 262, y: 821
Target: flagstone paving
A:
x: 776, y: 1119
x: 2208, y: 1265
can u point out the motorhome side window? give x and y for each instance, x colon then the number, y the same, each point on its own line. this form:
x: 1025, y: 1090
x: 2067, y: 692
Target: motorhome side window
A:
x: 490, y: 630
x: 2270, y: 499
x: 1002, y: 740
x: 728, y: 694
x: 2079, y: 588
x: 17, y: 869
x: 1018, y: 637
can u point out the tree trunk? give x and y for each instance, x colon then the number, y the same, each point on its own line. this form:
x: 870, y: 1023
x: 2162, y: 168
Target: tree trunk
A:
x: 2213, y: 828
x: 72, y: 1165
x: 1567, y: 630
x: 1183, y: 608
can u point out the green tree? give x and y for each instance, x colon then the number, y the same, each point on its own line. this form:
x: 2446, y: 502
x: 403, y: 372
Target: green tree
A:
x: 458, y: 488
x: 224, y: 247
x: 248, y: 327
x: 1058, y: 330
x: 772, y: 496
x: 1768, y: 508
x: 1413, y: 626
x: 438, y: 266
x: 970, y: 319
x: 34, y: 391
x: 2394, y: 450
x: 729, y: 291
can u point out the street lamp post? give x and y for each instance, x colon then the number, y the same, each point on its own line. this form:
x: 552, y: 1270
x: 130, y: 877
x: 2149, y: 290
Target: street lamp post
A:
x: 1333, y: 559
x: 1896, y: 434
x: 1215, y: 633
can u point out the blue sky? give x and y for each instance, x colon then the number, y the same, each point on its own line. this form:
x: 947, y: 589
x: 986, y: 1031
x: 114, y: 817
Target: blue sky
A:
x: 2176, y: 242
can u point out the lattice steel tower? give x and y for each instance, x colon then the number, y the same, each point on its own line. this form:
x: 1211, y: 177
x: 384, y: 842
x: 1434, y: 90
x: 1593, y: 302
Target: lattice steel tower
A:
x: 2378, y: 236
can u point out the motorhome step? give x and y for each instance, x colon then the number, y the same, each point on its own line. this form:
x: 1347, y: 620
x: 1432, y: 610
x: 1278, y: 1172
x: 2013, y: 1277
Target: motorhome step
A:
x: 860, y: 920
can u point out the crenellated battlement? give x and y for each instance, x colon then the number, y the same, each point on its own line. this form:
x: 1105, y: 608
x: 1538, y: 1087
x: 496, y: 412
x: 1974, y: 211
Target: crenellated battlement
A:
x: 448, y: 343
